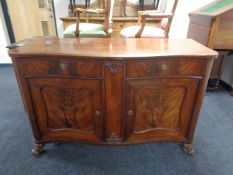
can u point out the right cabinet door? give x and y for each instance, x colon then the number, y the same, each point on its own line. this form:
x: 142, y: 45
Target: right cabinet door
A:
x: 159, y: 109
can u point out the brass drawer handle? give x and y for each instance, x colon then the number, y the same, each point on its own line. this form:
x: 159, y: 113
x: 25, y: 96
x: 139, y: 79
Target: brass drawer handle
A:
x: 130, y: 113
x: 97, y: 113
x: 164, y: 66
x: 63, y: 66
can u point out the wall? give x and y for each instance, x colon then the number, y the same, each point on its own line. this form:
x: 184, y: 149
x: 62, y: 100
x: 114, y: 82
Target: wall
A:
x: 4, y: 40
x: 61, y: 10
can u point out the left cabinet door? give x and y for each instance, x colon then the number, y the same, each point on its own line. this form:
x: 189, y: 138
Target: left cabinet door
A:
x: 67, y: 108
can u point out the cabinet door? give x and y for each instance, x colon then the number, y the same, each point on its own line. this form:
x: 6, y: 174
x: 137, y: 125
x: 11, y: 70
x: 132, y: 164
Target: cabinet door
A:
x: 159, y: 108
x: 67, y: 108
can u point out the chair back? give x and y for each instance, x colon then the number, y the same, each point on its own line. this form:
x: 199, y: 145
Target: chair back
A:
x: 166, y: 22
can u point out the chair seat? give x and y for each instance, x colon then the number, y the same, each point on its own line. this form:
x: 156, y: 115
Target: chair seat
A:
x: 87, y: 30
x: 148, y: 32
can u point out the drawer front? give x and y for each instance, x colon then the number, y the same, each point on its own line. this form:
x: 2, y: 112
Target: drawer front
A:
x: 165, y: 67
x: 62, y: 67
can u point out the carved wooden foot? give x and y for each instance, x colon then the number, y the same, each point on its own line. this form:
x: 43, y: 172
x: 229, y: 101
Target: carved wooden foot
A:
x: 38, y: 149
x: 231, y: 92
x: 188, y: 148
x: 214, y: 87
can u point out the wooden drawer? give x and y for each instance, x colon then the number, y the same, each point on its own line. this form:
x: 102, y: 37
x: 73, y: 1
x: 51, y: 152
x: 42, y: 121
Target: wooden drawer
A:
x: 165, y: 68
x: 60, y: 67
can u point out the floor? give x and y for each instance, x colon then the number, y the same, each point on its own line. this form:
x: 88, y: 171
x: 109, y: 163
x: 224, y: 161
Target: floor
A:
x: 213, y: 144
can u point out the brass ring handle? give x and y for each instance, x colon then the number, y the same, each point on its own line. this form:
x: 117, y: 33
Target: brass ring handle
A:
x: 164, y: 66
x: 97, y: 113
x: 130, y: 113
x: 63, y: 66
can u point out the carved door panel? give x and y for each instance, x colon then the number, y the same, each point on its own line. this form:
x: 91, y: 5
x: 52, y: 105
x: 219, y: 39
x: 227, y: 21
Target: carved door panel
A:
x: 67, y: 108
x: 159, y: 108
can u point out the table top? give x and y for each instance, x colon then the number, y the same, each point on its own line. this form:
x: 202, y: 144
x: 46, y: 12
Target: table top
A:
x: 115, y: 48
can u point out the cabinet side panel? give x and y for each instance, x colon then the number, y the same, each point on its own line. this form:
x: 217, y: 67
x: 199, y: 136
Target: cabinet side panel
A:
x: 198, y: 100
x: 25, y: 93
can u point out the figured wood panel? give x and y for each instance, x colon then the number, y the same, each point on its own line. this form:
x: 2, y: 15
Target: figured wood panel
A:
x: 154, y: 108
x: 35, y: 67
x: 159, y: 108
x: 61, y: 67
x: 165, y: 67
x: 67, y: 105
x: 75, y: 108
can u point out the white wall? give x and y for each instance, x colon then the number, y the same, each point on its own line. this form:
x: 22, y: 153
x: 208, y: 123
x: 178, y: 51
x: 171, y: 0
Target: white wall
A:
x: 61, y: 10
x: 4, y: 40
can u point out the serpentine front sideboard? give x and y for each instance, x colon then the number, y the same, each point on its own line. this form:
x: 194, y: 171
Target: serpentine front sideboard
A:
x: 112, y: 91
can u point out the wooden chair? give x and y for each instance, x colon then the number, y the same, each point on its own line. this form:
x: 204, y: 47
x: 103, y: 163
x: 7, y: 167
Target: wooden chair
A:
x: 143, y: 31
x: 92, y: 30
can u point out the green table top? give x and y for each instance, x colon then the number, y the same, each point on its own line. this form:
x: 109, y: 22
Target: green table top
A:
x: 217, y: 6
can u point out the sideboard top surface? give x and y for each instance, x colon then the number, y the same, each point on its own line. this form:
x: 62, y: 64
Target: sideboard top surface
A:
x: 116, y: 48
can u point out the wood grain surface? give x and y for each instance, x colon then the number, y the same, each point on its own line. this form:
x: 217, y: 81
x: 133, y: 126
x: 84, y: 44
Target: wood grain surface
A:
x: 112, y: 91
x: 111, y: 47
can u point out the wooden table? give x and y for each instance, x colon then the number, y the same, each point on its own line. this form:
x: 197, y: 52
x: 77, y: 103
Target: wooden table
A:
x: 112, y: 91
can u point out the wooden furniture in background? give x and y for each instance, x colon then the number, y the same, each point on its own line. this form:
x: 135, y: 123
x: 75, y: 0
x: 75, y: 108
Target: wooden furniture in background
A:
x: 92, y: 30
x: 124, y: 15
x: 31, y: 18
x: 143, y: 31
x: 112, y: 91
x: 212, y: 25
x: 118, y: 23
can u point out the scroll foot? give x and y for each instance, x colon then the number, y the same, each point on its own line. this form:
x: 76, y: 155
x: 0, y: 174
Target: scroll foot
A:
x: 38, y: 149
x: 231, y: 92
x: 188, y: 149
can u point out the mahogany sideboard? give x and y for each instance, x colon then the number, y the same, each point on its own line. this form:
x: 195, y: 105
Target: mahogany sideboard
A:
x: 112, y: 91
